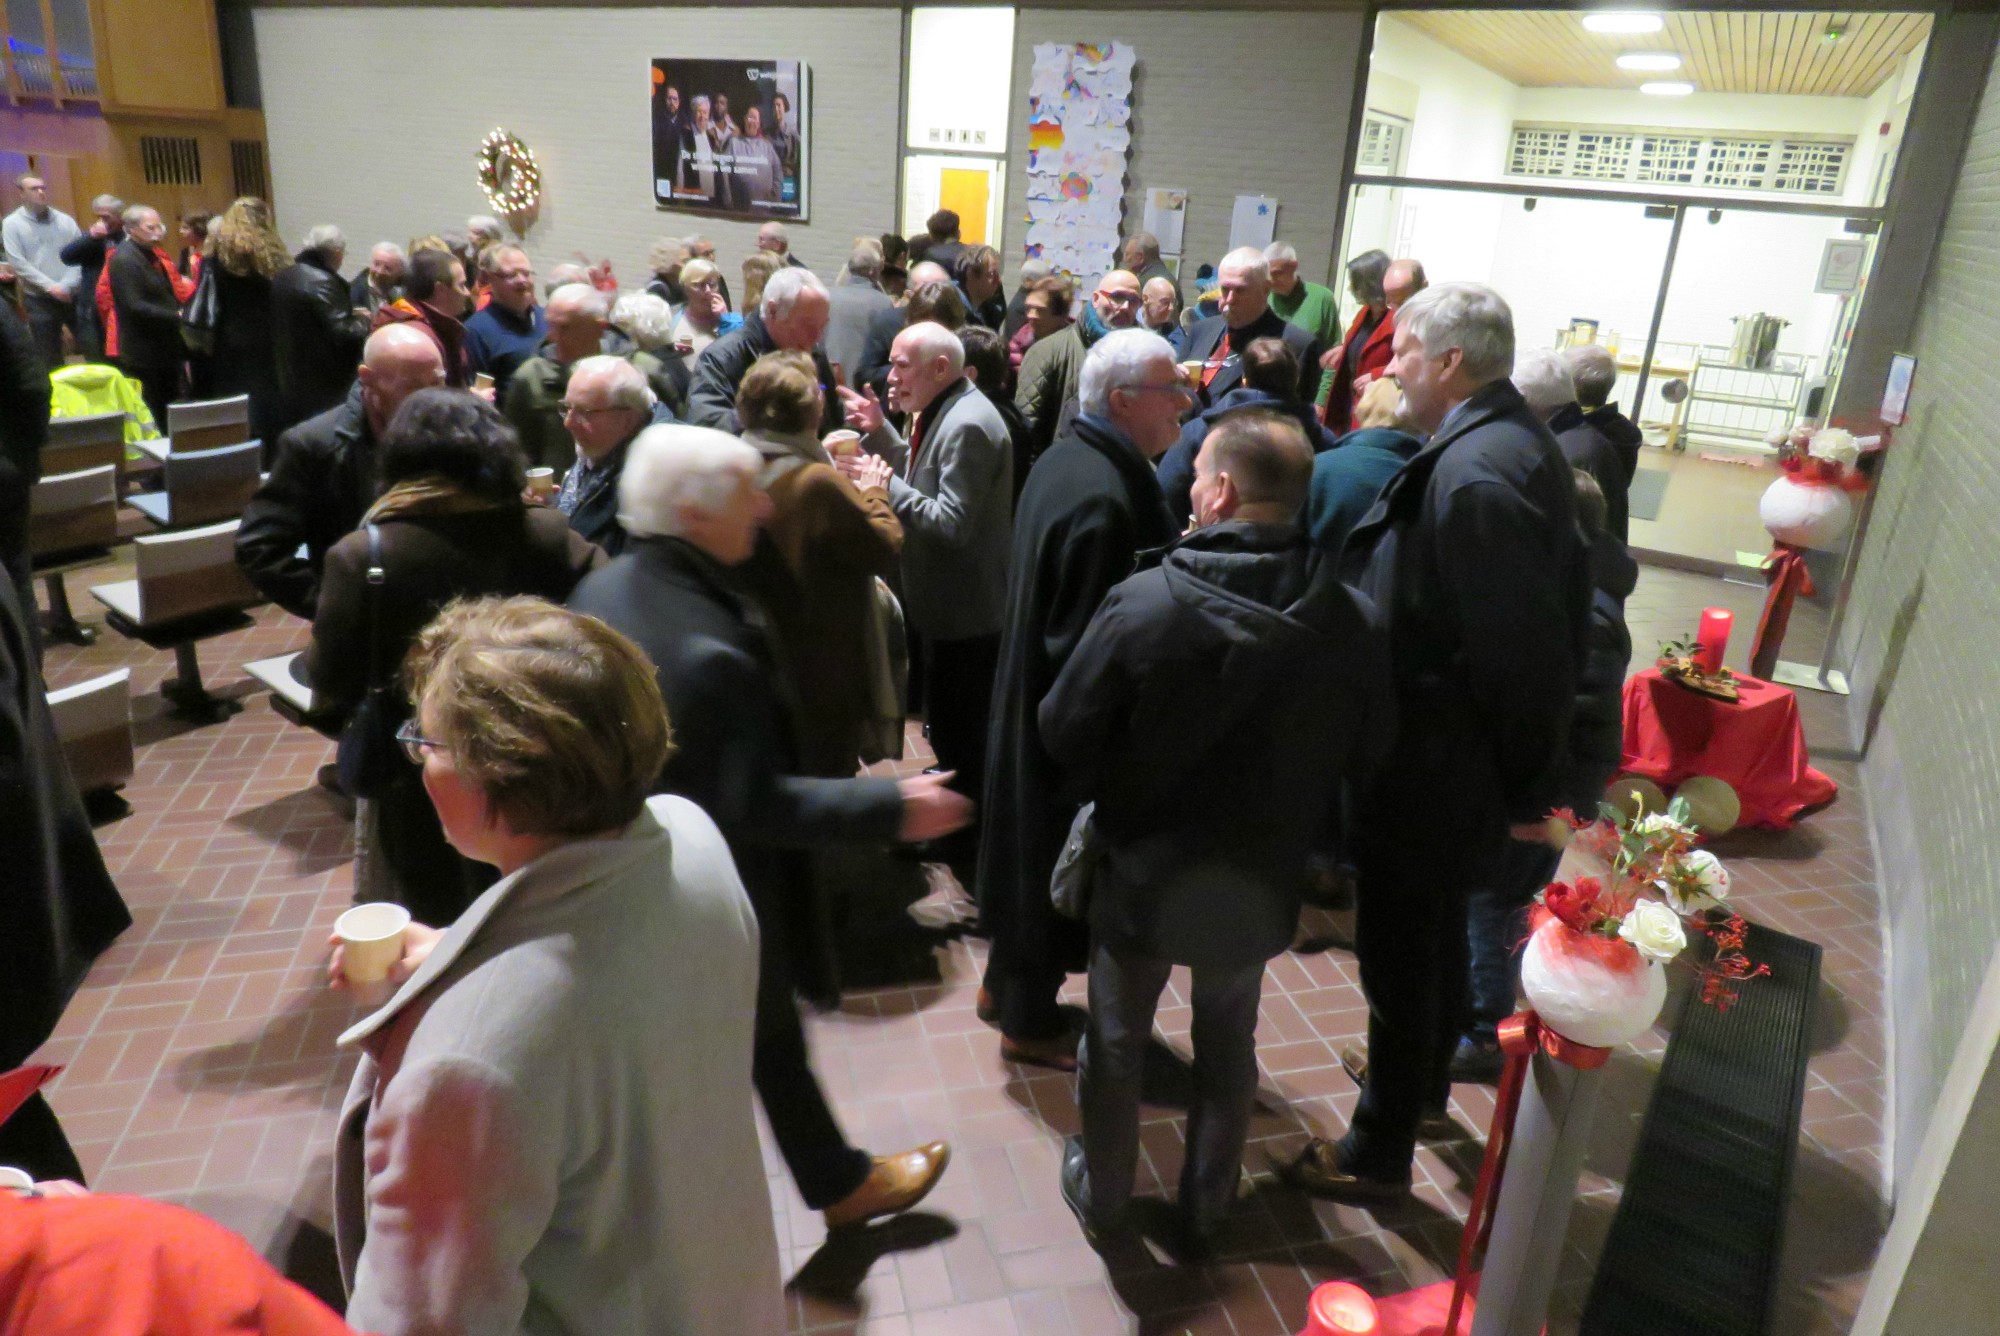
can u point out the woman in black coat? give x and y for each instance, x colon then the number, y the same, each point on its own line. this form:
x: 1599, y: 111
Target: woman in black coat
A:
x: 245, y: 253
x: 449, y: 524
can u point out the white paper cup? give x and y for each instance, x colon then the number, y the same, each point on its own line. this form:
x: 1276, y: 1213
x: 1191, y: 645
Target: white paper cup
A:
x: 842, y: 443
x: 373, y: 938
x: 16, y: 1180
x: 542, y: 482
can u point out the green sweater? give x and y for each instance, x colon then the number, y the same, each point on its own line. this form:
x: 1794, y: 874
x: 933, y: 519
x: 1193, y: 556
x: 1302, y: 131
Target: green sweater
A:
x: 1314, y: 309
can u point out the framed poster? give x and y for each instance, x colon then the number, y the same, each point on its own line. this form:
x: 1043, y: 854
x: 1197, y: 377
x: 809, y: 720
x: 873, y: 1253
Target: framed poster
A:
x: 1840, y: 266
x: 730, y: 137
x: 1896, y: 394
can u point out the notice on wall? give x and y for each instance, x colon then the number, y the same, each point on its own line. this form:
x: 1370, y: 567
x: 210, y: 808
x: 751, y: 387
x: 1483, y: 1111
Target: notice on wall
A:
x: 1166, y: 217
x: 729, y: 137
x: 1253, y: 222
x: 1079, y: 134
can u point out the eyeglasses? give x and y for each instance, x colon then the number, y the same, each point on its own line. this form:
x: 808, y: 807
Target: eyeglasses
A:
x: 575, y: 410
x: 414, y: 743
x: 1177, y: 388
x: 1122, y: 298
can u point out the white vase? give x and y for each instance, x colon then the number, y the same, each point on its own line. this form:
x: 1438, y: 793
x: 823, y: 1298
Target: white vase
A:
x: 1593, y: 991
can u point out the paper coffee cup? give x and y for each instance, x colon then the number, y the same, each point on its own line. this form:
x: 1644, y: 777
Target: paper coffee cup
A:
x: 482, y: 381
x: 542, y: 482
x: 1191, y: 373
x: 842, y: 442
x: 16, y: 1180
x: 372, y: 936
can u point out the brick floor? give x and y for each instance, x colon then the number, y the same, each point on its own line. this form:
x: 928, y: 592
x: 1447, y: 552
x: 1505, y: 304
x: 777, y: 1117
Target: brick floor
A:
x: 200, y: 1065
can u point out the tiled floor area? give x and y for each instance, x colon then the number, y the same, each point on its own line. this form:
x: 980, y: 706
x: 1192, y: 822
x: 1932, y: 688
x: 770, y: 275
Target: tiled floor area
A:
x: 201, y: 1067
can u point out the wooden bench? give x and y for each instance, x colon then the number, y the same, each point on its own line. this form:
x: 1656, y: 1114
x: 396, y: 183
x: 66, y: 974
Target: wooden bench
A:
x: 202, y: 486
x: 94, y: 727
x: 291, y: 696
x: 72, y: 523
x: 189, y: 589
x: 202, y: 424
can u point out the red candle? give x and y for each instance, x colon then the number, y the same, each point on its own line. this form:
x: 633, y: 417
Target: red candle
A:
x: 1713, y: 638
x: 1340, y: 1309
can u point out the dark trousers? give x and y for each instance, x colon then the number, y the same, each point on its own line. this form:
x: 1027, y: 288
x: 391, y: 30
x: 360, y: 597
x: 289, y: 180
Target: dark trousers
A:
x: 33, y: 1140
x: 433, y: 881
x: 16, y: 495
x: 823, y: 1166
x: 1496, y: 927
x: 158, y: 386
x: 1124, y: 993
x: 47, y: 318
x: 958, y: 701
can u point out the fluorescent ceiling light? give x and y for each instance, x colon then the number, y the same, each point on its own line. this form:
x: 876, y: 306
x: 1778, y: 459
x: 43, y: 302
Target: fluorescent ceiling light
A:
x: 1649, y: 60
x: 1622, y: 21
x: 1667, y: 88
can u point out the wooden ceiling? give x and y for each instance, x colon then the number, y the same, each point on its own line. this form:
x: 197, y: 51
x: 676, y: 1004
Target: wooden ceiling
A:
x: 1721, y: 51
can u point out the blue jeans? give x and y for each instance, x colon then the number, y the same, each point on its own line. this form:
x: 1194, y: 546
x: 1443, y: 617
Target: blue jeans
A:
x: 1497, y: 925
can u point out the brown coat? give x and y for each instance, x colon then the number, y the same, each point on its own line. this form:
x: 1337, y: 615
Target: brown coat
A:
x: 814, y: 573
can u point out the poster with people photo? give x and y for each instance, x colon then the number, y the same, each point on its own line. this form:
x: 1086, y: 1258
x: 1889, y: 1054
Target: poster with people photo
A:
x: 729, y: 137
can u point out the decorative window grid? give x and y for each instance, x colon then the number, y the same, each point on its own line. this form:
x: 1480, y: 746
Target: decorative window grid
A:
x: 1381, y: 144
x: 170, y: 160
x: 1765, y: 163
x: 246, y: 168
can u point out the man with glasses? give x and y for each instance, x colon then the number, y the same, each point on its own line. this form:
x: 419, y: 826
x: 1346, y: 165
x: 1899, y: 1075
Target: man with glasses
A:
x: 1052, y: 369
x: 1219, y: 341
x: 509, y: 329
x: 605, y: 405
x: 1091, y: 505
x: 577, y: 318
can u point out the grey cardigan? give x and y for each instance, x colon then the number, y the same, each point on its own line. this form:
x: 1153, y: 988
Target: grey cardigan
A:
x: 957, y: 510
x: 550, y: 1130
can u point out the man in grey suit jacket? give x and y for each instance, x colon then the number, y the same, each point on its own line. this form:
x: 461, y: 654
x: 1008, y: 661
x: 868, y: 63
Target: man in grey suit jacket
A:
x: 954, y: 493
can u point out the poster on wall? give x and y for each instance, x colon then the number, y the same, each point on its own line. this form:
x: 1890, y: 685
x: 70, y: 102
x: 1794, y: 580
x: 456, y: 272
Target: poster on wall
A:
x: 1079, y: 133
x: 730, y: 137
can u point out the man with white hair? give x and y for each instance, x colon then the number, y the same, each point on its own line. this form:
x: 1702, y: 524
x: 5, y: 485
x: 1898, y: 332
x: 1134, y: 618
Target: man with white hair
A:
x: 509, y: 329
x: 855, y: 302
x: 1246, y: 316
x: 323, y: 476
x: 146, y: 297
x: 1593, y: 371
x: 689, y: 500
x: 954, y: 493
x: 316, y: 332
x: 484, y: 230
x: 576, y: 318
x: 1474, y: 562
x: 793, y: 314
x: 606, y: 404
x: 777, y: 239
x: 1544, y: 380
x: 382, y: 281
x: 1309, y: 306
x: 1052, y: 369
x: 1090, y: 506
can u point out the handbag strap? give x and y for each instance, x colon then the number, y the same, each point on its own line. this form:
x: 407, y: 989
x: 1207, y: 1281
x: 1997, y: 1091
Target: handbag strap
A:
x: 375, y: 581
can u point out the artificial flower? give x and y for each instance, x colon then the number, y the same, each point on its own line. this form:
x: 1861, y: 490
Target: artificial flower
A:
x: 1699, y: 882
x: 1654, y: 930
x: 1576, y: 906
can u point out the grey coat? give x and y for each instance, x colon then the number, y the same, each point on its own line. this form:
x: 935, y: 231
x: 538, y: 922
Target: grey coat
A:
x: 957, y: 509
x: 550, y: 1130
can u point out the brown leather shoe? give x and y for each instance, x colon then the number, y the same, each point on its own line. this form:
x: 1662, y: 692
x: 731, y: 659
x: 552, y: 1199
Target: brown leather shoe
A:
x: 894, y: 1185
x: 1058, y: 1053
x: 1318, y: 1169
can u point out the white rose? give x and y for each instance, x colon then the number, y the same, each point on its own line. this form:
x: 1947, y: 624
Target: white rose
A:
x: 1659, y: 823
x: 1654, y: 930
x: 1709, y: 873
x: 1835, y: 445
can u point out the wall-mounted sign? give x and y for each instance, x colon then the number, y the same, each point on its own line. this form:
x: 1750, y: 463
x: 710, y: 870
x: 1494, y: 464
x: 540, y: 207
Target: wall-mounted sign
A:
x: 1840, y: 267
x: 731, y: 136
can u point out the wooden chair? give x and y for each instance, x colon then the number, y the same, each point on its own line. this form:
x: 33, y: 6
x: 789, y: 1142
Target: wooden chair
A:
x: 72, y: 523
x: 202, y: 486
x: 94, y: 727
x: 291, y: 694
x: 189, y: 589
x: 203, y: 424
x: 84, y: 443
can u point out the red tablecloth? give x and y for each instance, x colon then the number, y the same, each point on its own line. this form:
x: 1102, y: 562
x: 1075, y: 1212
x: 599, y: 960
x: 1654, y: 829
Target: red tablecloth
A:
x: 1754, y: 744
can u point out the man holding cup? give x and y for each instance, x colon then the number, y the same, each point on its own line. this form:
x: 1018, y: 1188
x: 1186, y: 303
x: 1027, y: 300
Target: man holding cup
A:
x: 606, y: 404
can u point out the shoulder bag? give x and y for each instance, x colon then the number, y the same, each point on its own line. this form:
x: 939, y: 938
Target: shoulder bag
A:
x: 367, y: 757
x: 202, y: 312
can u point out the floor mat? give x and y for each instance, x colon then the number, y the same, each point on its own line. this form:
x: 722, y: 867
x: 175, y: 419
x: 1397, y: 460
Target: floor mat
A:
x: 1648, y: 493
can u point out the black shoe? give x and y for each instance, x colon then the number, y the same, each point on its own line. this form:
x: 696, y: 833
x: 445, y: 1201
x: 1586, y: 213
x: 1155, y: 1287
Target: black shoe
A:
x: 1434, y: 1124
x: 1323, y: 1169
x: 1076, y: 1192
x: 1477, y: 1062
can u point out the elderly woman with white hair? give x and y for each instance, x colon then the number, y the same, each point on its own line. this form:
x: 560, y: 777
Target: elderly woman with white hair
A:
x: 316, y: 332
x: 704, y: 315
x: 690, y: 503
x: 1544, y: 378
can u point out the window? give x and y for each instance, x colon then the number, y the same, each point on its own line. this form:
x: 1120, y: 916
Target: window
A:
x: 1810, y: 168
x: 1538, y: 152
x: 170, y: 160
x: 1765, y: 163
x: 1598, y: 155
x: 1382, y: 139
x: 1668, y: 160
x: 1737, y: 164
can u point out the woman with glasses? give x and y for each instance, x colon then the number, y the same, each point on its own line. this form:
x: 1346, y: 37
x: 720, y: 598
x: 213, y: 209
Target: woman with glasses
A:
x: 705, y: 316
x: 450, y: 523
x: 550, y: 1128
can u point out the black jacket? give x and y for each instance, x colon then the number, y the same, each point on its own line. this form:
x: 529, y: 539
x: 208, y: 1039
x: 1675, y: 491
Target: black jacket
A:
x: 1473, y: 559
x: 596, y: 513
x: 243, y: 360
x: 1621, y: 431
x: 1205, y: 335
x: 322, y: 479
x: 24, y: 399
x: 734, y: 753
x: 1588, y: 447
x: 1177, y: 465
x: 89, y: 254
x: 1090, y: 507
x: 316, y: 335
x: 883, y: 327
x: 711, y: 400
x: 1597, y: 735
x: 149, y: 315
x: 1212, y: 711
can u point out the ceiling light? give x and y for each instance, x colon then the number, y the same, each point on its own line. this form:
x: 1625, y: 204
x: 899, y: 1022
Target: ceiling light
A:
x: 1649, y: 60
x: 1622, y: 21
x: 1667, y: 88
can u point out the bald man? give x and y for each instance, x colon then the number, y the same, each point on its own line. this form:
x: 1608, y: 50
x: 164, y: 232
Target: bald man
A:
x: 871, y: 369
x: 324, y: 475
x: 1052, y: 370
x: 1402, y: 280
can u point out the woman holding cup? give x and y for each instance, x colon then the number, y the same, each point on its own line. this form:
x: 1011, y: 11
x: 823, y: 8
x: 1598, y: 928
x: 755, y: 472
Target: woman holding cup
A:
x: 553, y: 1114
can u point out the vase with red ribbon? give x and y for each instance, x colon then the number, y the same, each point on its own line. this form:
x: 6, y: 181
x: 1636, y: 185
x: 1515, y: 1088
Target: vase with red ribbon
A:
x: 1808, y: 508
x: 1594, y: 990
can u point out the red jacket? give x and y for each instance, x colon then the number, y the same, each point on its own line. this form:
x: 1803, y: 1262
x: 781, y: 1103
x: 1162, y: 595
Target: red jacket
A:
x: 1373, y: 361
x: 447, y: 333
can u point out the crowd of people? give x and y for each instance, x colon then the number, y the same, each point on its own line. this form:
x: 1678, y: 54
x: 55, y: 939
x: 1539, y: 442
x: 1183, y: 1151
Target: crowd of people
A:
x: 1203, y: 605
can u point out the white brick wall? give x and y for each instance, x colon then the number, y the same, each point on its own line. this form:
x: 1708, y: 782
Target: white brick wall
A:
x: 1923, y: 631
x: 375, y: 114
x: 1223, y: 104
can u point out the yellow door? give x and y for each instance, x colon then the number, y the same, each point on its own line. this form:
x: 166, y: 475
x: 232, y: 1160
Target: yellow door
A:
x: 966, y: 193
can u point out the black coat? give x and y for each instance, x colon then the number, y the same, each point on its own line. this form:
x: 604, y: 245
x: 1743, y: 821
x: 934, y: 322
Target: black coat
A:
x: 711, y: 400
x: 1473, y: 559
x: 1206, y: 335
x: 1622, y: 432
x: 24, y: 399
x: 149, y: 314
x: 322, y: 479
x: 316, y: 336
x: 58, y: 906
x: 596, y: 513
x: 89, y: 253
x: 243, y: 360
x: 873, y: 368
x: 734, y: 753
x: 1597, y: 734
x: 1586, y: 446
x: 1090, y: 507
x: 1212, y: 711
x: 1177, y: 465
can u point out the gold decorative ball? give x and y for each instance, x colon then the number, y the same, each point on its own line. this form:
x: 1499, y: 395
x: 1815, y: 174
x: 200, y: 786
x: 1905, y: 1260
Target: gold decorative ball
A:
x: 1712, y: 804
x: 1630, y: 794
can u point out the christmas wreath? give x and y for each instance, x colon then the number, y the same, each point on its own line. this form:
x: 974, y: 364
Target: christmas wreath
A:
x: 509, y: 174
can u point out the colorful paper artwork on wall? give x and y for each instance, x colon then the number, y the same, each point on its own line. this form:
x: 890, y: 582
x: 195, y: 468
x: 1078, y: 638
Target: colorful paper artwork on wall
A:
x: 1079, y: 135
